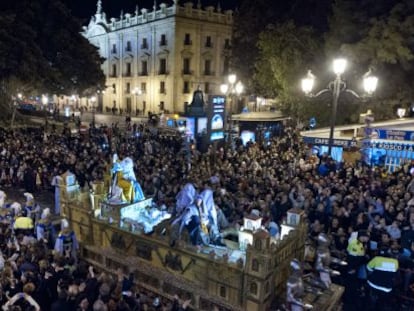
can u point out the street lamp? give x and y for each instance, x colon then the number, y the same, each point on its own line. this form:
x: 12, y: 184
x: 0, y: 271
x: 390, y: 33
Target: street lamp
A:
x: 336, y: 87
x: 93, y: 100
x: 229, y: 90
x: 15, y: 104
x: 137, y: 91
x: 101, y: 94
x: 45, y: 101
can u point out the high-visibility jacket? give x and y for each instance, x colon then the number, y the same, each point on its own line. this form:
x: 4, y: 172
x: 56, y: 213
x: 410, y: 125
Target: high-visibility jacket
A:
x: 23, y: 223
x: 382, y: 270
x: 355, y: 248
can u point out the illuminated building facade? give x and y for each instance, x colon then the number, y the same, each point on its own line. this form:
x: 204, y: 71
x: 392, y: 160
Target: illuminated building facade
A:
x: 154, y: 59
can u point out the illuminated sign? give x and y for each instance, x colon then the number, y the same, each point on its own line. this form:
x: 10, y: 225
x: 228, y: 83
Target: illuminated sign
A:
x: 325, y: 141
x: 392, y: 134
x: 216, y: 116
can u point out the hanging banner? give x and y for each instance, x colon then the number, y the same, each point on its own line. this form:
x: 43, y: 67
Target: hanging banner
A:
x: 325, y: 141
x: 392, y: 146
x: 392, y: 134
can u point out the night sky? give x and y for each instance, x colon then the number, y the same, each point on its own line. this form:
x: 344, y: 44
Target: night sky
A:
x: 84, y: 9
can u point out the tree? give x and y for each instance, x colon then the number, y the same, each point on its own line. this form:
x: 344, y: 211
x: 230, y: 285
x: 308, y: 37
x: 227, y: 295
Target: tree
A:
x: 252, y: 18
x: 43, y: 51
x: 286, y: 51
x: 377, y: 34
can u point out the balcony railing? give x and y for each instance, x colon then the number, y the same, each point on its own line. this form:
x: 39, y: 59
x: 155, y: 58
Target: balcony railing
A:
x: 163, y: 72
x: 188, y: 42
x: 187, y: 72
x: 144, y: 46
x: 208, y: 73
x: 143, y: 73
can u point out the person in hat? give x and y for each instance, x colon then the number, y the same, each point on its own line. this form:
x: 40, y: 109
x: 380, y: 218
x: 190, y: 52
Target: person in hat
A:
x: 66, y: 243
x: 45, y: 231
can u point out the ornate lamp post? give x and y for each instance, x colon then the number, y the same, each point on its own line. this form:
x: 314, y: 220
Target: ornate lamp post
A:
x: 229, y: 90
x: 93, y: 100
x: 137, y: 91
x: 101, y: 94
x: 336, y: 87
x: 45, y: 101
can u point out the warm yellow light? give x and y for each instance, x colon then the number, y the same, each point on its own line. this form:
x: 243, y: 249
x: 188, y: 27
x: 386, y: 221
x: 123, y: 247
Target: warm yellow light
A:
x: 370, y: 84
x: 239, y: 88
x: 224, y: 88
x: 308, y: 82
x: 401, y: 112
x: 339, y: 66
x: 45, y: 100
x: 232, y: 78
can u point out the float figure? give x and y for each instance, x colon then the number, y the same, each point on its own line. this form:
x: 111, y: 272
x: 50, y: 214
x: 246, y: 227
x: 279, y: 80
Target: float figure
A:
x: 124, y: 187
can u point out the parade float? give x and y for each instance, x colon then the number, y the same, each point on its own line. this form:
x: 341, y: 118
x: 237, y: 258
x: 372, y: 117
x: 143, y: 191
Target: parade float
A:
x: 119, y: 228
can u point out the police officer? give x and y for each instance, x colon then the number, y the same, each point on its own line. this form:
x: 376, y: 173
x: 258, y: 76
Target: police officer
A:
x: 356, y: 253
x: 382, y: 272
x: 23, y: 224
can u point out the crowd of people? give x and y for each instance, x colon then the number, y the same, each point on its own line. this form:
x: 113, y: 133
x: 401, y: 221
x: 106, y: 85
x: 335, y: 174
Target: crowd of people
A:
x: 364, y: 211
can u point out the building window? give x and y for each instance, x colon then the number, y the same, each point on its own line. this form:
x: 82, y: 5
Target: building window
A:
x: 207, y: 67
x: 144, y: 44
x: 163, y: 66
x: 187, y: 39
x: 223, y: 291
x: 113, y: 70
x: 113, y: 50
x: 227, y: 44
x: 114, y: 88
x: 162, y: 106
x: 255, y: 265
x: 253, y: 288
x: 162, y: 87
x: 163, y: 41
x: 186, y: 89
x: 128, y: 70
x: 226, y: 65
x: 186, y: 66
x: 267, y: 287
x: 208, y: 42
x: 128, y: 47
x: 128, y: 88
x: 207, y: 88
x: 128, y: 104
x: 144, y: 68
x: 143, y: 87
x: 258, y: 244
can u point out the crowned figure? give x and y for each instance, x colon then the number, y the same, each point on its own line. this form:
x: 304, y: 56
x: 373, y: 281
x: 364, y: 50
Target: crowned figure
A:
x: 124, y: 186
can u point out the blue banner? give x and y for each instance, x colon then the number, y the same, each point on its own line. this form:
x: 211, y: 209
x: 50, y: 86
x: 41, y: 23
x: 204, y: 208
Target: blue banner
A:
x: 325, y: 141
x: 392, y: 146
x: 392, y: 134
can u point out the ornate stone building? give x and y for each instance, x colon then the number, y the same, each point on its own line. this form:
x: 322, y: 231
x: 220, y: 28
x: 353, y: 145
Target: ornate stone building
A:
x: 156, y: 58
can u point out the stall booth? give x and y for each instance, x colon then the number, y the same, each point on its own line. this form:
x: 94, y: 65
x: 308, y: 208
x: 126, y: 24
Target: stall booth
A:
x: 389, y: 144
x: 258, y: 126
